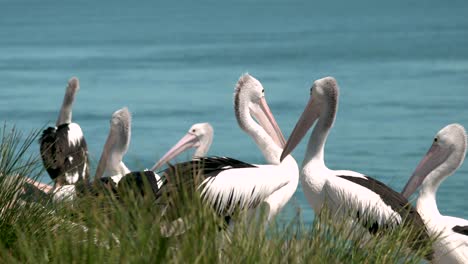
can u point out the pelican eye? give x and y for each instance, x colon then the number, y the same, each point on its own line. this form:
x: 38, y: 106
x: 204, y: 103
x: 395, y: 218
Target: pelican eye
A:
x: 436, y: 139
x: 263, y: 90
x: 193, y: 130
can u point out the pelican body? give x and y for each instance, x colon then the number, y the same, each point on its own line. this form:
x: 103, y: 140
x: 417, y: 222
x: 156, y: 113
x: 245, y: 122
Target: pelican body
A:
x: 346, y: 193
x: 228, y: 184
x: 63, y: 148
x: 445, y: 156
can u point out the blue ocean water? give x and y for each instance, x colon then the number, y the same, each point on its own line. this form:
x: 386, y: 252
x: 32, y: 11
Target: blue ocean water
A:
x: 402, y: 67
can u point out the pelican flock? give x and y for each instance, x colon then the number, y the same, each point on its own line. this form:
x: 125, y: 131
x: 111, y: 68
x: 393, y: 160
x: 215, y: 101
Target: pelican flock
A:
x: 445, y: 156
x: 111, y: 169
x: 228, y: 185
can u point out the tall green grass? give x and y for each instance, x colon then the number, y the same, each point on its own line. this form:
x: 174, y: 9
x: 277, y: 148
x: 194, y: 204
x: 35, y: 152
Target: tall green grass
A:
x: 132, y: 229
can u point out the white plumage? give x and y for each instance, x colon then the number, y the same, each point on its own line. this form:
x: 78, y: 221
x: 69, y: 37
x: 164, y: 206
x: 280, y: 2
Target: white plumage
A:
x: 246, y: 187
x: 75, y: 135
x: 450, y: 247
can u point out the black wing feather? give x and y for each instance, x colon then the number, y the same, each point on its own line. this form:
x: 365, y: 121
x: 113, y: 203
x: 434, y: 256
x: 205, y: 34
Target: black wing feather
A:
x: 136, y: 179
x: 392, y: 198
x: 192, y: 173
x: 207, y: 166
x: 461, y: 230
x: 60, y: 158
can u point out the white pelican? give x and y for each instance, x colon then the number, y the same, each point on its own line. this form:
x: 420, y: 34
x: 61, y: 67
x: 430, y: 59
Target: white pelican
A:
x: 199, y: 136
x: 63, y: 148
x: 111, y: 164
x: 343, y: 191
x: 229, y: 184
x: 443, y: 158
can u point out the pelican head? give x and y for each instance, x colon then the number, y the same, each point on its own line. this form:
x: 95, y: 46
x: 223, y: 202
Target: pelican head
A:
x: 444, y: 157
x: 249, y: 99
x: 199, y: 136
x: 323, y: 103
x: 116, y: 145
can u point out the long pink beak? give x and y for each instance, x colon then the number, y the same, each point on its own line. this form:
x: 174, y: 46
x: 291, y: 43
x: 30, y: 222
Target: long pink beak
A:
x: 307, y: 119
x: 433, y: 158
x: 186, y: 142
x: 268, y: 122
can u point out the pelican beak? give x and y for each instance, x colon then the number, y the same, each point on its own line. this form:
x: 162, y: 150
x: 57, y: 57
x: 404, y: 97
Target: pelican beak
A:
x: 433, y: 158
x: 307, y: 119
x: 266, y: 119
x: 186, y: 142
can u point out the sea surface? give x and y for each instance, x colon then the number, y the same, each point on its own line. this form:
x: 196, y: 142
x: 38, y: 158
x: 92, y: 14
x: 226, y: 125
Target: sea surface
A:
x: 402, y: 67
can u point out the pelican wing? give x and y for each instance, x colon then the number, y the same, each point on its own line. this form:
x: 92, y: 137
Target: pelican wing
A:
x: 228, y: 184
x: 395, y: 200
x: 136, y: 180
x: 344, y: 196
x: 242, y: 188
x: 375, y: 204
x: 372, y: 199
x: 64, y: 152
x: 186, y: 173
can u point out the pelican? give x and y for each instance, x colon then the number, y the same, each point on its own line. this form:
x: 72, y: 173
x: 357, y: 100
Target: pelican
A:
x: 343, y: 191
x: 63, y: 148
x: 111, y: 169
x: 229, y: 184
x: 200, y: 136
x: 445, y: 156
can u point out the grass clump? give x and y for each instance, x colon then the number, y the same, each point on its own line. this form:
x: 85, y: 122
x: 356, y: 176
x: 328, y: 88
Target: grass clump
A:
x: 133, y: 229
x: 15, y: 163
